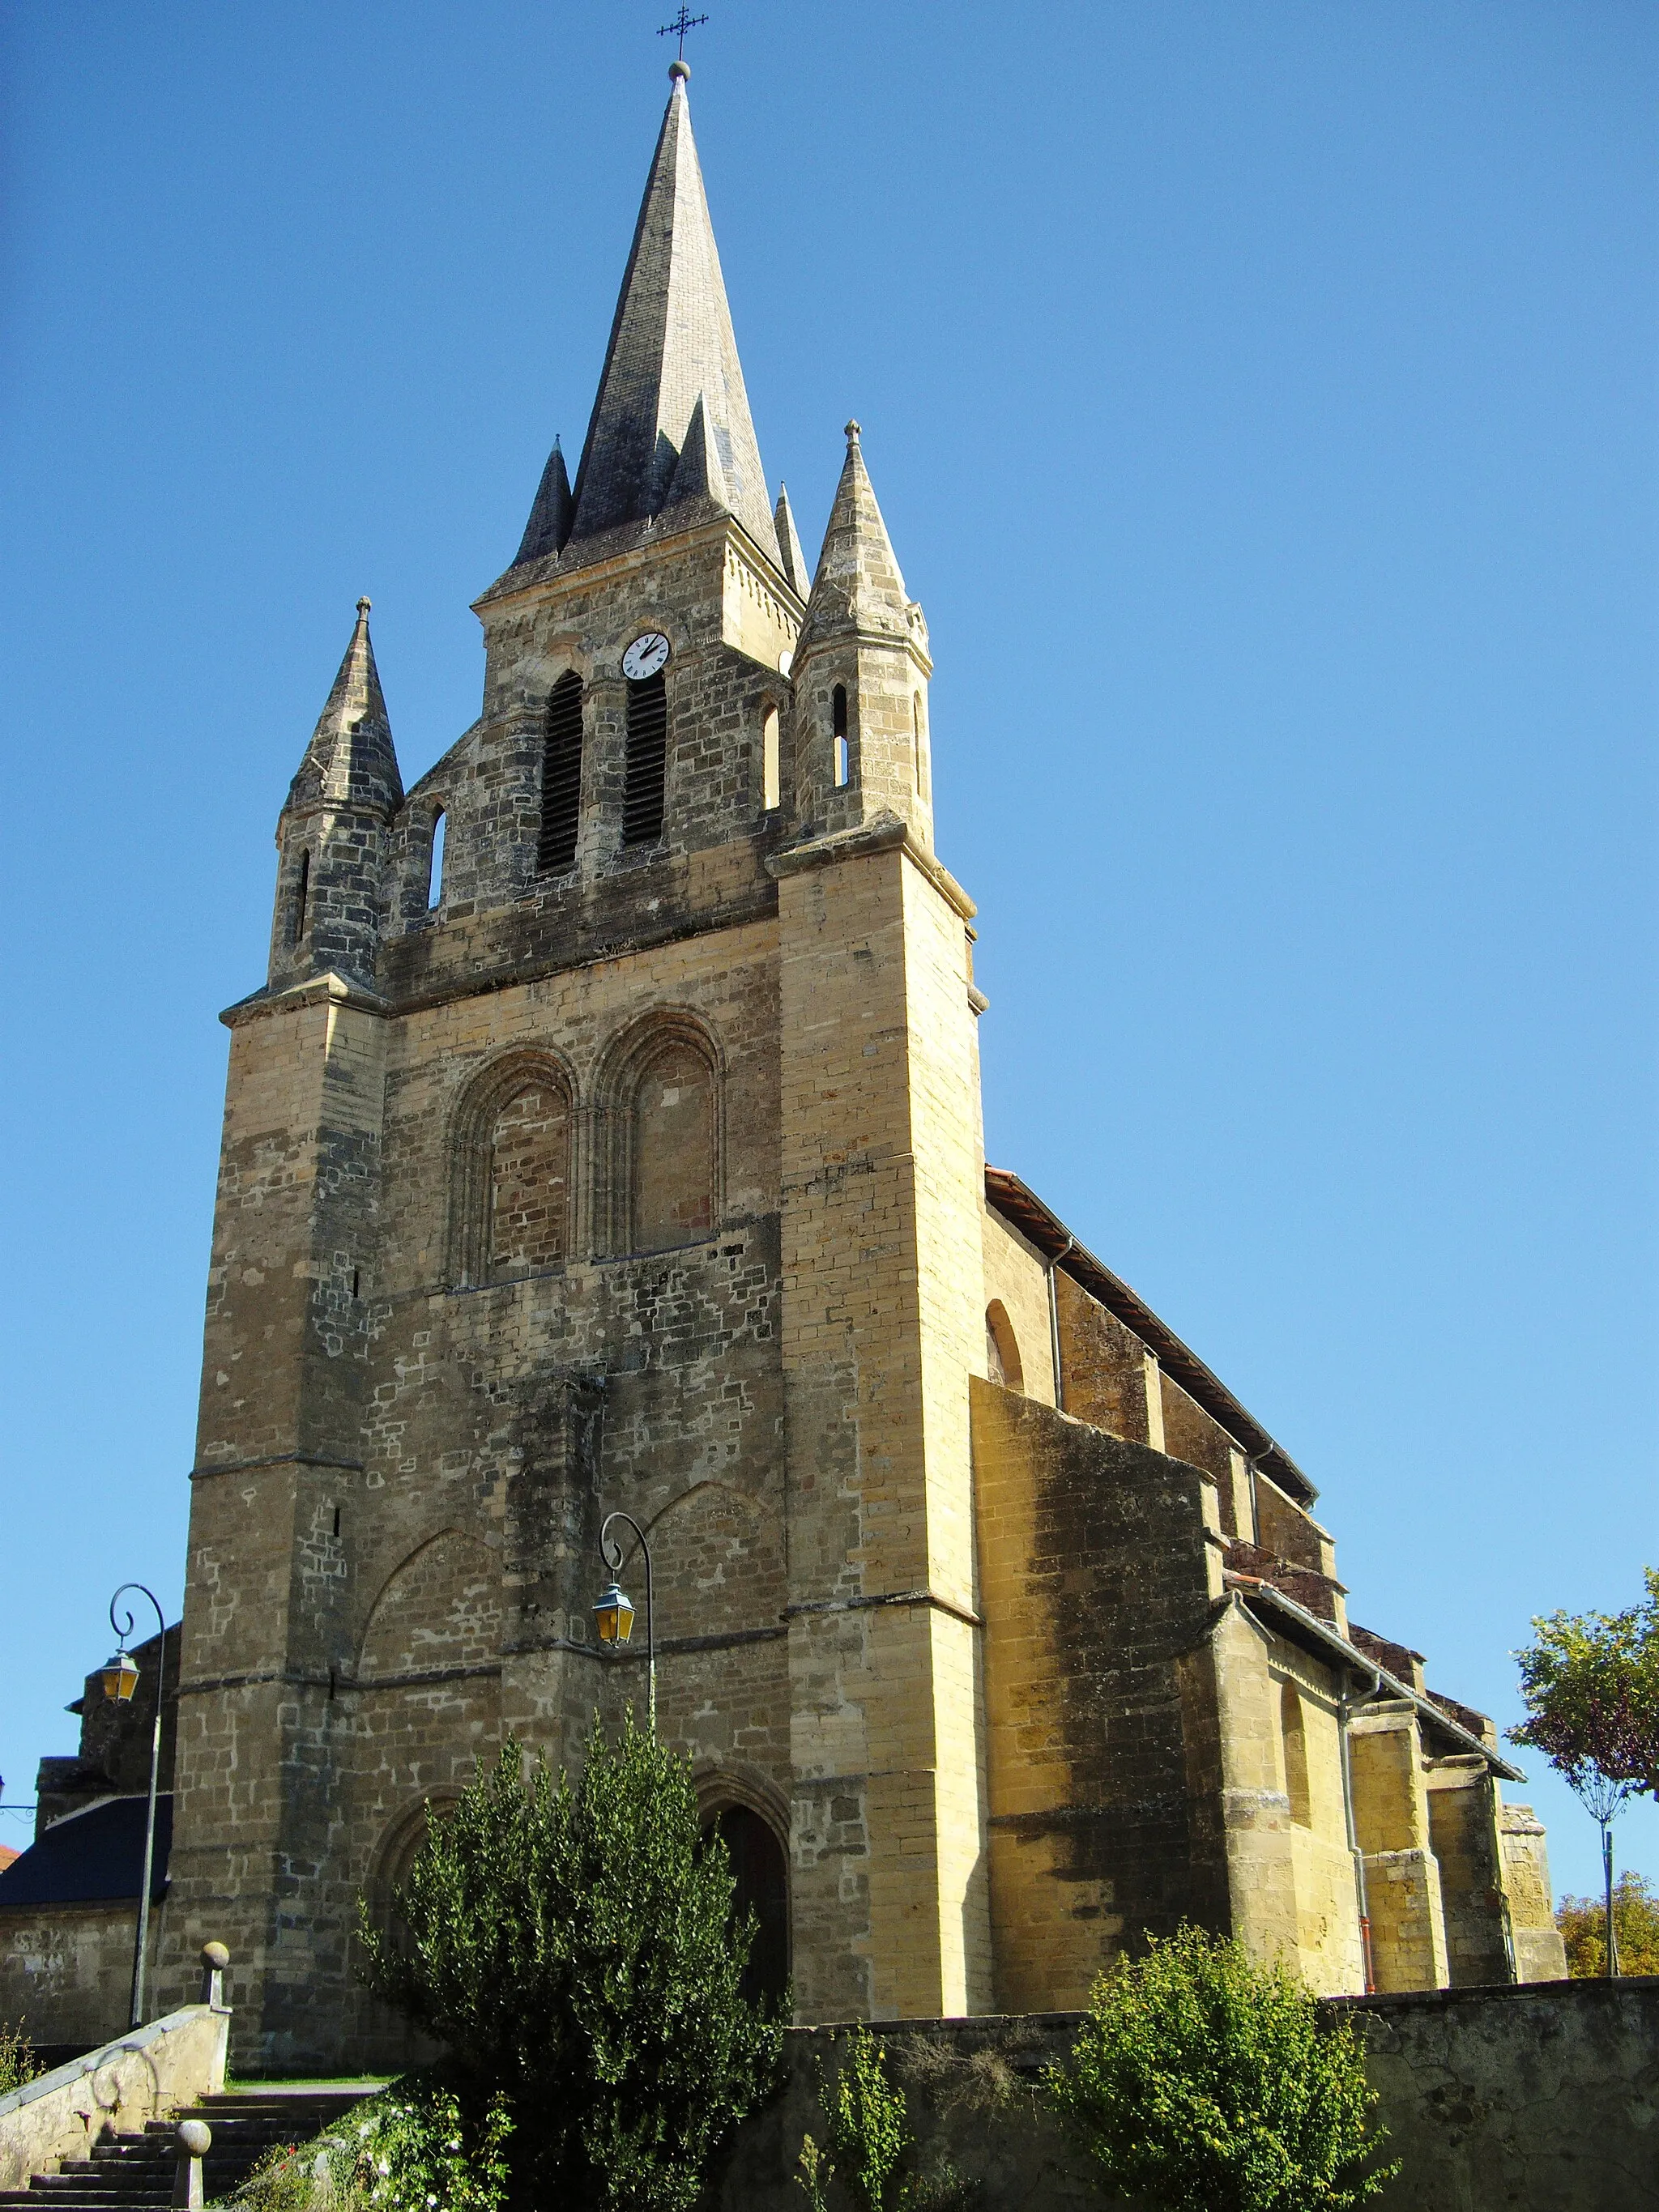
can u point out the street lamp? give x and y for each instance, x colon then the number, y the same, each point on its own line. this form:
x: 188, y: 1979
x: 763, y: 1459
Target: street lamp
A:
x: 613, y: 1611
x: 120, y: 1679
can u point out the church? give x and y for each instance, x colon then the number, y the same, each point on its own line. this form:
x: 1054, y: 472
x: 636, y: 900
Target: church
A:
x: 606, y: 1137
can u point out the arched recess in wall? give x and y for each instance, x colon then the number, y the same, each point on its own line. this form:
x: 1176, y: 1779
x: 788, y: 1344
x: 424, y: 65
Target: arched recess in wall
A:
x: 719, y: 1564
x: 395, y: 1855
x: 1002, y: 1360
x: 511, y: 1173
x: 440, y: 1607
x: 751, y: 1819
x: 1294, y: 1733
x: 661, y: 1091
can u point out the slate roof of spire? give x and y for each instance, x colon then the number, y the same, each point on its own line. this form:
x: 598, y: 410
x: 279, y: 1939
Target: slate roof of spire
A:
x: 351, y: 760
x: 671, y: 353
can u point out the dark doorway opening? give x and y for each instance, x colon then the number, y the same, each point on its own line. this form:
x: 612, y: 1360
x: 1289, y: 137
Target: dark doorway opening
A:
x: 761, y: 1885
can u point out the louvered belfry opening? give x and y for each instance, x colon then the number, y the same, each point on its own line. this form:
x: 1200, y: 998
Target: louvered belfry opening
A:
x: 561, y: 777
x: 647, y: 760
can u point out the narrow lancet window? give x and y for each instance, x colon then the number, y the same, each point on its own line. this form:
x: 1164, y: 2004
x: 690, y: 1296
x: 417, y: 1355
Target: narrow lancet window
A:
x: 769, y: 777
x: 838, y: 724
x: 920, y: 745
x: 434, y: 880
x: 302, y: 898
x: 561, y: 778
x: 646, y: 773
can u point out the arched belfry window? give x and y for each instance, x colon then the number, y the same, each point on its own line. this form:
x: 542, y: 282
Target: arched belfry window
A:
x: 838, y: 732
x: 561, y: 777
x: 435, y: 874
x: 302, y: 900
x: 646, y: 771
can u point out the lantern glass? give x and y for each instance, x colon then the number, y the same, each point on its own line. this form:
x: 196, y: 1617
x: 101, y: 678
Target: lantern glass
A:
x: 613, y: 1615
x: 120, y: 1678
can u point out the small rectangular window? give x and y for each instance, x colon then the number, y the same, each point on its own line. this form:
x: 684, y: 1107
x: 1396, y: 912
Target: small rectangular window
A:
x: 770, y: 776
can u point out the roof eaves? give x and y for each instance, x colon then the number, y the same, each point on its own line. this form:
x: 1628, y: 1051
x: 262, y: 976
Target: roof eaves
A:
x: 1254, y: 1593
x: 1017, y: 1203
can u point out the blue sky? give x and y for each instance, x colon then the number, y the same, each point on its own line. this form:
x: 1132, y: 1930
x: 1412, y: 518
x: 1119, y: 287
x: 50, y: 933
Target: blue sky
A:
x: 1260, y: 399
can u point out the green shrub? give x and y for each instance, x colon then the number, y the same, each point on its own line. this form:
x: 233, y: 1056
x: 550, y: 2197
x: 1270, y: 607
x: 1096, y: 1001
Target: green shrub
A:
x: 866, y: 2126
x: 1202, y: 2083
x: 410, y: 2149
x: 18, y: 2063
x: 574, y: 1947
x: 867, y: 2133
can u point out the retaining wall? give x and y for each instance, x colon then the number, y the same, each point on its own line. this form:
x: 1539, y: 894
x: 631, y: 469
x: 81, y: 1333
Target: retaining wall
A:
x: 1543, y: 2097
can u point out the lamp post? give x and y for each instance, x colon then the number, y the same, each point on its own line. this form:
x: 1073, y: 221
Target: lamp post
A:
x: 120, y: 1678
x: 613, y: 1612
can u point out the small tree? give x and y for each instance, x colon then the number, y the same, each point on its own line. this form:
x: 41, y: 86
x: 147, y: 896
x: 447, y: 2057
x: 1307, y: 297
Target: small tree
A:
x: 575, y: 1945
x: 867, y: 2129
x: 1591, y: 1685
x: 1582, y: 1923
x: 1202, y: 2083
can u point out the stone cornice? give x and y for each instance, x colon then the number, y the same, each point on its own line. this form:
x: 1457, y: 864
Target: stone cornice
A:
x: 329, y: 989
x: 885, y: 833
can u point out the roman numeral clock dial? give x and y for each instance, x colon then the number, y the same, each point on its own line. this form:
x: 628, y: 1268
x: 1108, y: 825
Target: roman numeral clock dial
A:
x: 647, y: 653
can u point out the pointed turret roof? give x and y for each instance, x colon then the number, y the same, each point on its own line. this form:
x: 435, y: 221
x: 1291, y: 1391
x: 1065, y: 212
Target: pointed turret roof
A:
x: 671, y: 346
x: 351, y: 760
x: 549, y: 518
x: 789, y: 545
x: 858, y: 586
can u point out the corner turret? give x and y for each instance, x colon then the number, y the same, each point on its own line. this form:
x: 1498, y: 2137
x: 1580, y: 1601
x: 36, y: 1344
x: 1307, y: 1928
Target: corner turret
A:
x: 860, y: 674
x: 331, y: 834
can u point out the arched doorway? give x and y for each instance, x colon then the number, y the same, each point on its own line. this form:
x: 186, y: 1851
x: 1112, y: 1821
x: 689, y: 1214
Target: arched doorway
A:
x: 761, y: 1883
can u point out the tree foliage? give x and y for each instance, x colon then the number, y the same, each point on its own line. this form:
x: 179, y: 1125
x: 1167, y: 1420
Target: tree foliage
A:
x: 1201, y: 2081
x: 1582, y: 1922
x: 867, y: 2129
x: 573, y: 1944
x: 1591, y: 1685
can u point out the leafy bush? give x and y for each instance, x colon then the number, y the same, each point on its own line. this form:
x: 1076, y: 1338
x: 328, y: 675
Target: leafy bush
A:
x: 1202, y: 2083
x: 1582, y: 1922
x: 868, y: 2132
x: 18, y: 2063
x: 408, y: 2150
x: 868, y: 2128
x: 574, y: 1947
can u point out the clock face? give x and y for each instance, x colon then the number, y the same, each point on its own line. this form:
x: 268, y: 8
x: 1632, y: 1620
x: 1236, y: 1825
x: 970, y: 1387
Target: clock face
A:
x: 647, y: 653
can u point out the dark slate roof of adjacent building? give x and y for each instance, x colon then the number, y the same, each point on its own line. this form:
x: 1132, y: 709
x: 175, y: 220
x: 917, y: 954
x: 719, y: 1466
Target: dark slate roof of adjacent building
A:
x: 91, y: 1857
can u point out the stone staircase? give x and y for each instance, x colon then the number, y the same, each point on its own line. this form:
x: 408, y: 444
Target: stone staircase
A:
x: 140, y: 2171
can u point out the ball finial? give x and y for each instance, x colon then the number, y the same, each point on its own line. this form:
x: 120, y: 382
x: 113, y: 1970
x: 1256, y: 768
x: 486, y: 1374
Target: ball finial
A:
x: 364, y: 604
x: 853, y: 432
x: 679, y: 72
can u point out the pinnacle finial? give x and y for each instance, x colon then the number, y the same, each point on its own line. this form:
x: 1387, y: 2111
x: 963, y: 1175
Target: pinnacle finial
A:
x: 679, y: 72
x: 854, y: 430
x: 364, y: 605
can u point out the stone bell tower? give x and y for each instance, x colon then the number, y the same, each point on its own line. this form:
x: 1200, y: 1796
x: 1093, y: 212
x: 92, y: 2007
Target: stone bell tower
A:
x: 629, y: 1155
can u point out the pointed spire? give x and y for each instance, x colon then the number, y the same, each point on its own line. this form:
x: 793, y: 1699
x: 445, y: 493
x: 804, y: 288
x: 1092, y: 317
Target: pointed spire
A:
x: 549, y: 518
x: 351, y: 760
x: 857, y: 586
x: 789, y: 545
x: 672, y: 344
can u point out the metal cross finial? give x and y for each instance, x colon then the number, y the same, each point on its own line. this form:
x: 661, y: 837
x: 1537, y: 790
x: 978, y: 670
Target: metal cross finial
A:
x: 682, y: 23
